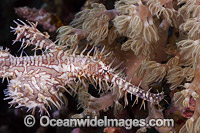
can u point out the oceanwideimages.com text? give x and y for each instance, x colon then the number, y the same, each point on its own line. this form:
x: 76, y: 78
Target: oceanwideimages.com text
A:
x: 45, y: 121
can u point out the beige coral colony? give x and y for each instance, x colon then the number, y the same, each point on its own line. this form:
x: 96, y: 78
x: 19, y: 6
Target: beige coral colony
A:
x: 120, y: 52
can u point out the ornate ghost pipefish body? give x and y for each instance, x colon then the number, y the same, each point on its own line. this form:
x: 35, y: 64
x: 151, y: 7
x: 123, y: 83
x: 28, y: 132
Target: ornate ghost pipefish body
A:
x: 36, y: 80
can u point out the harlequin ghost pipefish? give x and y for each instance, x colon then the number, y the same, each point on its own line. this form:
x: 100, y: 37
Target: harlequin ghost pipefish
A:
x: 36, y: 80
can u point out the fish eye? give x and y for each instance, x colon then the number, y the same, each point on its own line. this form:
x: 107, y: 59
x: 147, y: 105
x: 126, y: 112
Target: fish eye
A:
x: 105, y: 70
